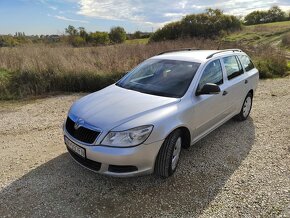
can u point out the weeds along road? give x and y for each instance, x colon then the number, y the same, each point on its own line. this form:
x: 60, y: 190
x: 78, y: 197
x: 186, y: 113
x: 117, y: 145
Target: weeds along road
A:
x: 240, y: 169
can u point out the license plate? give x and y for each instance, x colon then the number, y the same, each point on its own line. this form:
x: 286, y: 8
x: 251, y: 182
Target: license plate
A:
x: 75, y: 148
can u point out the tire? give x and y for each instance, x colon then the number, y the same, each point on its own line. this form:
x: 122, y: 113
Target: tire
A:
x: 168, y: 156
x: 246, y: 108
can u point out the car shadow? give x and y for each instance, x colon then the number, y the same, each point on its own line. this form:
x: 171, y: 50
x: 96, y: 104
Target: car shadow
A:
x: 62, y: 188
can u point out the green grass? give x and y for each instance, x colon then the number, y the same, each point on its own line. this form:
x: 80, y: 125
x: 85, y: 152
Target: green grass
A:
x: 288, y: 65
x: 266, y: 34
x: 137, y: 41
x: 28, y: 83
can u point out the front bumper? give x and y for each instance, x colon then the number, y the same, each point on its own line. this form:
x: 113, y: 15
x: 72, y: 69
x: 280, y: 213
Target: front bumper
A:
x: 119, y: 162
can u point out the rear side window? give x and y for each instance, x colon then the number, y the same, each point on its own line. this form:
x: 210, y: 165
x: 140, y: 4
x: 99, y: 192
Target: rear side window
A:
x: 212, y: 74
x: 233, y: 67
x: 246, y: 62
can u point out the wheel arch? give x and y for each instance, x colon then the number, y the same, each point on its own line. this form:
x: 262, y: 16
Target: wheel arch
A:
x: 185, y: 134
x: 252, y: 92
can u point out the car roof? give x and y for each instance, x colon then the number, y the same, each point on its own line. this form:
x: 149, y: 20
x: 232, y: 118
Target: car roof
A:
x: 199, y: 56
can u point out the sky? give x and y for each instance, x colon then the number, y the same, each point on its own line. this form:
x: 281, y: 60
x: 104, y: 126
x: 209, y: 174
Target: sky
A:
x: 53, y: 16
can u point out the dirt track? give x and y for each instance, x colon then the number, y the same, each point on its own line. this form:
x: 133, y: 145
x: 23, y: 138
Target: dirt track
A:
x: 241, y: 169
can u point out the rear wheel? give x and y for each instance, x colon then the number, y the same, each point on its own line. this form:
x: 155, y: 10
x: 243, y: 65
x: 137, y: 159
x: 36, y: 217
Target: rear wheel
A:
x: 168, y: 156
x: 246, y: 108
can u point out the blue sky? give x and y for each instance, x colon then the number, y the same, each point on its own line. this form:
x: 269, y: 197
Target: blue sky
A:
x: 53, y: 16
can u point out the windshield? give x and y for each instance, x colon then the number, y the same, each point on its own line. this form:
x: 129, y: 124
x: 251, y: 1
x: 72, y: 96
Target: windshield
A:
x: 169, y: 78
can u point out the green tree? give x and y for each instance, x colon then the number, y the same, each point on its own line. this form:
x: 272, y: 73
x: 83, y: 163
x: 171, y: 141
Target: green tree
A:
x: 83, y: 33
x: 117, y: 35
x: 209, y: 24
x: 71, y: 30
x: 275, y: 14
x: 99, y: 38
x: 77, y: 41
x: 137, y: 35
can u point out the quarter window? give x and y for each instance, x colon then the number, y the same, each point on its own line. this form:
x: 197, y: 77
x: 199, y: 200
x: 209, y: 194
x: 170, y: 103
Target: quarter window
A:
x: 212, y: 74
x: 233, y: 67
x: 246, y: 62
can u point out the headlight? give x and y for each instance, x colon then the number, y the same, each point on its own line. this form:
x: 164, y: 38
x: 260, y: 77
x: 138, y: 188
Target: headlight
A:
x: 131, y: 137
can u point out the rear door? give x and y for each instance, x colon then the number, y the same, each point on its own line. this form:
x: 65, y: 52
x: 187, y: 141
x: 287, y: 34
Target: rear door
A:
x: 235, y: 83
x: 250, y: 71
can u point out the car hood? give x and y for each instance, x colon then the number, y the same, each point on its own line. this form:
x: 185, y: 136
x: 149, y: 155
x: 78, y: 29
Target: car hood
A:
x: 113, y: 106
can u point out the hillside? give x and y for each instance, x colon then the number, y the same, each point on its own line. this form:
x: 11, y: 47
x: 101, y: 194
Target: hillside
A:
x: 270, y: 33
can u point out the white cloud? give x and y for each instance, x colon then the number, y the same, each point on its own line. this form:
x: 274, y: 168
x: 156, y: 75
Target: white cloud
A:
x: 69, y: 19
x: 159, y: 12
x: 110, y: 9
x: 53, y: 8
x: 174, y: 15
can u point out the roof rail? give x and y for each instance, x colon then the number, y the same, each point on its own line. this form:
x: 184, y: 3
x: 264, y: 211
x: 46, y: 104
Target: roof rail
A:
x: 233, y: 50
x: 175, y: 50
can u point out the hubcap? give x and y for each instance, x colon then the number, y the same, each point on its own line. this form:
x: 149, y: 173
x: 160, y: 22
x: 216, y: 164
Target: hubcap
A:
x: 247, y: 106
x: 176, y: 153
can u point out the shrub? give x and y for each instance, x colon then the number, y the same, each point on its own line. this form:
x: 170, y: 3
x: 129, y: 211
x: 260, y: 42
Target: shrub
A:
x: 274, y: 14
x: 210, y: 24
x: 270, y: 63
x: 117, y: 35
x: 28, y: 83
x: 99, y: 38
x: 286, y: 40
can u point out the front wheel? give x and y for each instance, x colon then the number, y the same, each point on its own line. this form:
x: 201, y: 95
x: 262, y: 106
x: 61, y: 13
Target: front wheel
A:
x: 168, y: 156
x: 246, y: 108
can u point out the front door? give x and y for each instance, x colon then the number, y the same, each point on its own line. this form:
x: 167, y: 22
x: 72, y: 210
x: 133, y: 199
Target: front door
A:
x: 209, y: 110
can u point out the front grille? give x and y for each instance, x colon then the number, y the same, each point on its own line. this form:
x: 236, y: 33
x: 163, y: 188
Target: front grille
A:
x: 93, y: 165
x: 82, y: 134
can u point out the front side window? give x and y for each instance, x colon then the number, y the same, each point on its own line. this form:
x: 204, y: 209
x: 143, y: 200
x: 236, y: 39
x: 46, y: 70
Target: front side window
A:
x: 212, y: 74
x: 169, y: 78
x: 233, y: 67
x: 246, y: 62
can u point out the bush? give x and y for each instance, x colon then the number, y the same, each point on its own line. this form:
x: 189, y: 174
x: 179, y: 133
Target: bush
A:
x: 170, y: 31
x: 117, y: 35
x: 274, y: 14
x: 99, y: 38
x: 210, y: 24
x: 286, y: 40
x: 271, y: 63
x: 29, y: 83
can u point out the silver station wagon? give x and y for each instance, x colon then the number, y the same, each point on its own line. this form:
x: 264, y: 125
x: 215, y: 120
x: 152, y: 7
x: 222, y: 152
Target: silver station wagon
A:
x: 140, y: 124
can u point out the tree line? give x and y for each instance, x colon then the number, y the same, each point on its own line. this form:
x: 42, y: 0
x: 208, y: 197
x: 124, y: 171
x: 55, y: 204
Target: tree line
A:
x: 74, y: 36
x: 210, y: 24
x: 80, y: 37
x: 274, y: 14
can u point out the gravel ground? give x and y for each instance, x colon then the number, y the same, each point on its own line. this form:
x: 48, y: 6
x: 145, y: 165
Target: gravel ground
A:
x: 239, y: 170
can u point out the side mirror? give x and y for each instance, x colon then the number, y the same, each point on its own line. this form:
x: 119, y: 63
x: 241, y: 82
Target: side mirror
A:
x: 208, y: 89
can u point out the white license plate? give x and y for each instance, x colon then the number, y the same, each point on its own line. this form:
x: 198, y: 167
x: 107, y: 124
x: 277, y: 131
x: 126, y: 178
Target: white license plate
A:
x: 75, y: 148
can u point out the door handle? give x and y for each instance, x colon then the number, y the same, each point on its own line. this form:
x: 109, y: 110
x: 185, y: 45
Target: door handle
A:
x: 225, y: 93
x: 246, y: 81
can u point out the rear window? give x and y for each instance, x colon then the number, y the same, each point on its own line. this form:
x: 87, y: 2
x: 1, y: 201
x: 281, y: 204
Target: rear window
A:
x: 246, y: 62
x: 233, y: 67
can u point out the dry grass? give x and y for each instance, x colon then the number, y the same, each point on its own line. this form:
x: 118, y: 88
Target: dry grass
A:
x: 35, y: 70
x: 118, y: 58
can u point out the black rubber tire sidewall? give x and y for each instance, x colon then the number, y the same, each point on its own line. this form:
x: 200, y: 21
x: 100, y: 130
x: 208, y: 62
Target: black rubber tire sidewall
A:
x: 240, y: 116
x: 163, y: 163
